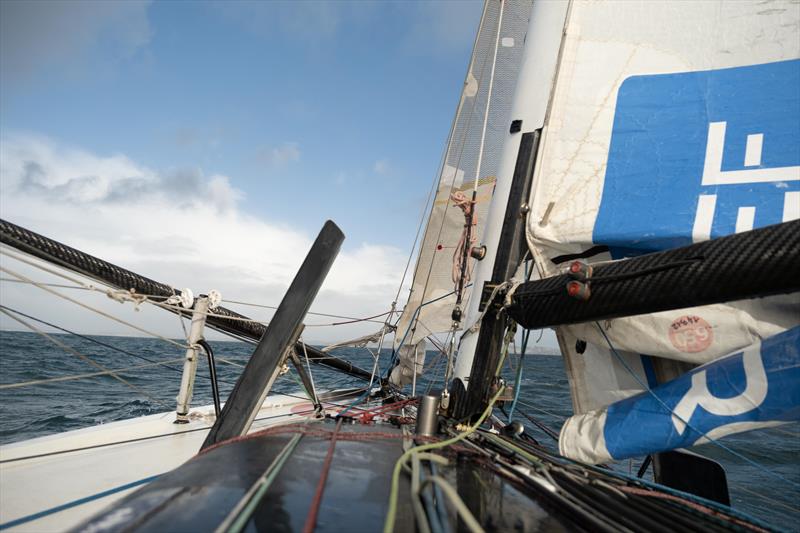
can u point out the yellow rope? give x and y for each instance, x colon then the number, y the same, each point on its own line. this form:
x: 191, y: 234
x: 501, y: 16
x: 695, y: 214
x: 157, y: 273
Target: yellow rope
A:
x: 388, y: 526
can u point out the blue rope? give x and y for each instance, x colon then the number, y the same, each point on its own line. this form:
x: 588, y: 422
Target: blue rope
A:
x: 357, y: 400
x: 669, y: 409
x: 518, y: 380
x: 525, y: 336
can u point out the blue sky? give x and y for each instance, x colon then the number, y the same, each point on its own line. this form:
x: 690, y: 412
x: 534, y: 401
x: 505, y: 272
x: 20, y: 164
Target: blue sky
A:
x: 313, y: 110
x: 204, y: 144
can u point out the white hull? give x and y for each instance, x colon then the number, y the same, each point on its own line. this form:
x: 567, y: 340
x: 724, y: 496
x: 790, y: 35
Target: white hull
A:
x: 67, y: 477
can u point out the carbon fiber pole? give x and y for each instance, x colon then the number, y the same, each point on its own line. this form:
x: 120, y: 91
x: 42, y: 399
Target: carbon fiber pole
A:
x: 752, y: 264
x: 263, y: 367
x: 93, y: 267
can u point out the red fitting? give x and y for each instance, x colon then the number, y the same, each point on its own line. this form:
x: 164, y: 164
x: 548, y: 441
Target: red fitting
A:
x: 580, y: 271
x: 578, y: 290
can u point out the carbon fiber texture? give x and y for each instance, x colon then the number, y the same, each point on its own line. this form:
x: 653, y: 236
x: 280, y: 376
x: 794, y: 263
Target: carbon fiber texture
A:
x: 752, y: 264
x: 72, y: 259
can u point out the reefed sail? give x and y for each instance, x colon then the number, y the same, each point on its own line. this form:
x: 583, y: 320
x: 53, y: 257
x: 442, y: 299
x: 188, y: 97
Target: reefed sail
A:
x: 470, y: 163
x: 670, y: 124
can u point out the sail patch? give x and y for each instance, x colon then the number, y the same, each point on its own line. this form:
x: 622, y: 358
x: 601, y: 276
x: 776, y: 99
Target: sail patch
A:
x: 699, y: 155
x: 753, y: 388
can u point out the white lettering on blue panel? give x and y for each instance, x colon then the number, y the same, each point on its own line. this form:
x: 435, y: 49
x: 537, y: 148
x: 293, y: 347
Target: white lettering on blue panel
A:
x: 757, y: 387
x: 699, y: 155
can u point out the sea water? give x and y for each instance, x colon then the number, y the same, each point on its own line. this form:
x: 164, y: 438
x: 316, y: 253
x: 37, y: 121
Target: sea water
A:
x: 42, y: 409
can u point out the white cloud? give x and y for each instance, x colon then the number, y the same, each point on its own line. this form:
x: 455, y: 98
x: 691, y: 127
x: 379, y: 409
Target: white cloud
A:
x: 280, y: 155
x: 179, y: 227
x: 38, y: 168
x: 56, y: 34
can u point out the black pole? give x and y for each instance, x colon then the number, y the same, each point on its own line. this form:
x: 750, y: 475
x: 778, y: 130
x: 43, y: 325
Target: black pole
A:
x: 93, y: 267
x: 756, y: 263
x: 212, y: 371
x: 256, y: 380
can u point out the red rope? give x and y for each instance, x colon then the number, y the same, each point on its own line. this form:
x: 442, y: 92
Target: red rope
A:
x: 311, y: 519
x: 368, y: 414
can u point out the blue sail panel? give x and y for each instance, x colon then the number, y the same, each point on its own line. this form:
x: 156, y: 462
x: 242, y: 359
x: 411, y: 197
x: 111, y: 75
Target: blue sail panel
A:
x: 760, y: 384
x: 753, y: 388
x: 698, y: 155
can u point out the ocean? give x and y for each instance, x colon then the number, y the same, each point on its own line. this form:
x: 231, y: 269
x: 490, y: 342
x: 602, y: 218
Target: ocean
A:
x: 43, y: 409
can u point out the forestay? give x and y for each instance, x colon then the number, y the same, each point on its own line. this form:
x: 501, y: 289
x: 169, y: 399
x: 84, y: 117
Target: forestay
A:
x: 670, y: 124
x: 472, y: 154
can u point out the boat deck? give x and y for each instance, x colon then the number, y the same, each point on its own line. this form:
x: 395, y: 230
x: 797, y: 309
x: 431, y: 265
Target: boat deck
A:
x: 204, y: 492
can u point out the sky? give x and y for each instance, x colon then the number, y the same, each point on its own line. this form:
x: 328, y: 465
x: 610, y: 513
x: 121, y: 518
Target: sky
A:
x: 204, y: 144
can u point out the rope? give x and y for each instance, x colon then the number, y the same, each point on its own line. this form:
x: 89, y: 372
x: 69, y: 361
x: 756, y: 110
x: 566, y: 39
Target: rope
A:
x: 90, y: 339
x: 354, y: 319
x: 526, y: 335
x: 368, y: 414
x: 149, y: 437
x: 94, y: 309
x: 466, y: 205
x: 702, y: 508
x: 84, y: 358
x: 391, y: 513
x: 84, y: 376
x: 423, y: 525
x: 310, y: 374
x: 545, y: 411
x: 457, y: 165
x: 686, y: 422
x: 311, y: 518
x: 396, y: 351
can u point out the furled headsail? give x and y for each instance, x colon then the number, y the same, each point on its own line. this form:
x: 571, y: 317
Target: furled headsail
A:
x: 470, y: 164
x: 668, y: 126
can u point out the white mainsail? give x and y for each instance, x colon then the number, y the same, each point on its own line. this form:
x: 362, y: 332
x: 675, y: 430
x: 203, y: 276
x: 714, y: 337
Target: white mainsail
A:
x: 470, y: 163
x: 670, y: 123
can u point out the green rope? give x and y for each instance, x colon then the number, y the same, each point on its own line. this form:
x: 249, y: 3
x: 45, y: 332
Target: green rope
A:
x: 244, y: 510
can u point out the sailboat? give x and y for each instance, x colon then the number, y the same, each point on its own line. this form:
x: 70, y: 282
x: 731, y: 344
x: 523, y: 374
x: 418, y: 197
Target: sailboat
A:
x: 626, y: 173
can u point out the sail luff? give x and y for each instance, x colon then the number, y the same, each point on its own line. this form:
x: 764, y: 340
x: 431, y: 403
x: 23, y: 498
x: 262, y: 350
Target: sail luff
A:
x: 477, y: 134
x: 531, y: 98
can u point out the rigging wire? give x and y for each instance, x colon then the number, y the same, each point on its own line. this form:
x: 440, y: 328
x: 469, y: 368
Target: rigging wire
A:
x: 149, y: 298
x: 355, y: 319
x: 84, y: 358
x: 460, y: 153
x: 672, y: 413
x: 545, y: 411
x: 94, y: 309
x: 84, y: 376
x: 90, y: 339
x: 310, y: 373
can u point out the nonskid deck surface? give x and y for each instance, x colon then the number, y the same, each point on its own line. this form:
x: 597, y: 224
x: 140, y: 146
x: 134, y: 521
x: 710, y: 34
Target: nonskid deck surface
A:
x: 53, y: 483
x: 202, y: 494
